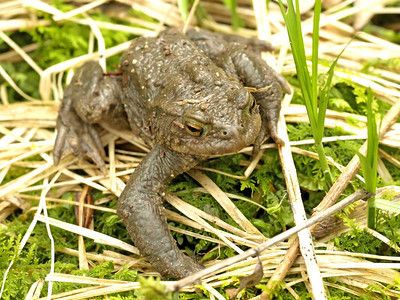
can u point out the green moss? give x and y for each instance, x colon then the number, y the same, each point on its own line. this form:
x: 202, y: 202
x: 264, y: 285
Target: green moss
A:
x: 29, y: 266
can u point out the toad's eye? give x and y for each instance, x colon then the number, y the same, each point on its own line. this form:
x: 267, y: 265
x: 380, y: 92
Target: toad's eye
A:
x: 194, y: 129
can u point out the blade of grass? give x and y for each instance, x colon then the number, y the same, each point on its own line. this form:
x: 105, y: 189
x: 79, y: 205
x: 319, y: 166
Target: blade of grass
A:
x: 315, y: 47
x: 235, y: 17
x: 183, y: 6
x: 295, y: 34
x: 309, y: 84
x: 369, y: 163
x: 387, y: 205
x: 323, y: 104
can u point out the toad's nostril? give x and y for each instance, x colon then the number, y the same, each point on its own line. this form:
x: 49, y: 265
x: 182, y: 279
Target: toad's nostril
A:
x: 231, y: 133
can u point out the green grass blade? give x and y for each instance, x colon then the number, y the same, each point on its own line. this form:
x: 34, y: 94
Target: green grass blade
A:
x: 308, y: 83
x: 293, y: 25
x: 371, y: 218
x: 369, y: 163
x: 183, y: 6
x: 235, y: 17
x: 367, y: 173
x: 315, y: 46
x: 324, y: 97
x: 387, y: 205
x: 366, y: 169
x: 373, y: 140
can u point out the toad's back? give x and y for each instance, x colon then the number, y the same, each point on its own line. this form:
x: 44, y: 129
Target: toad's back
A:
x: 151, y: 66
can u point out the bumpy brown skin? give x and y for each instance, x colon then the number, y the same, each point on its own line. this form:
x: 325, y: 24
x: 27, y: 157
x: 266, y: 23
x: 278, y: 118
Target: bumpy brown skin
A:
x: 184, y: 96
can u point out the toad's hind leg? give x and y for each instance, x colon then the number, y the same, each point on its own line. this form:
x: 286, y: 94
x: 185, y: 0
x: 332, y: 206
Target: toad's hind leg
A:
x: 90, y: 98
x: 140, y: 206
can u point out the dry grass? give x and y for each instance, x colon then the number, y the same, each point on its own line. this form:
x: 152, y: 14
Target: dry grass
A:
x: 27, y: 130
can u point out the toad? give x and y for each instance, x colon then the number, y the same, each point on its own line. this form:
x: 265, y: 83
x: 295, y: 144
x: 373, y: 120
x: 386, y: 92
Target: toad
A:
x: 188, y: 96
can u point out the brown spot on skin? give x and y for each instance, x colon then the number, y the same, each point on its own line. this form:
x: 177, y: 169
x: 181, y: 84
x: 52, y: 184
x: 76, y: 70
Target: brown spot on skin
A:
x: 124, y: 79
x: 115, y: 73
x: 178, y: 124
x: 203, y: 106
x: 162, y: 153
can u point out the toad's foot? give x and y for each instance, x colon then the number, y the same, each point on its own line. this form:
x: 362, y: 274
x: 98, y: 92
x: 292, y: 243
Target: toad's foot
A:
x: 78, y: 137
x: 268, y: 129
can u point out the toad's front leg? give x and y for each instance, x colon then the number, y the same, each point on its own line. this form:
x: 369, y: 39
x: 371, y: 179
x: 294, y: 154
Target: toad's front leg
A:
x: 90, y: 98
x: 140, y: 206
